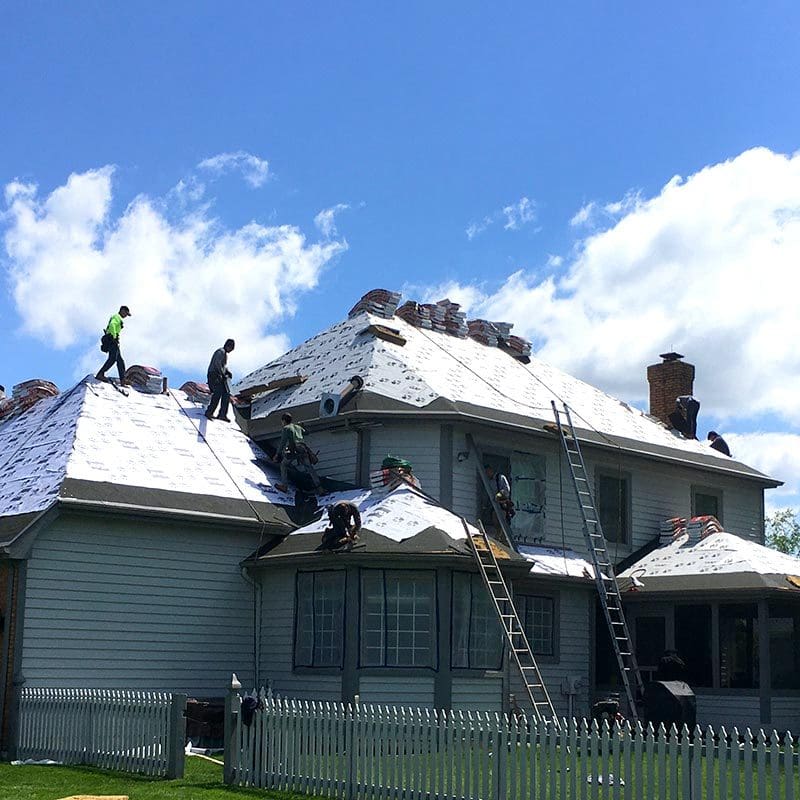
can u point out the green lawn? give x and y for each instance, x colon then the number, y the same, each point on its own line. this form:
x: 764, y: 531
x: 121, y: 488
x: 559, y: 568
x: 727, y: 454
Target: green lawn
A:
x: 202, y: 781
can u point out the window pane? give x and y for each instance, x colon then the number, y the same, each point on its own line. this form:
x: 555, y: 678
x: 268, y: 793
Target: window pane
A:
x: 651, y: 640
x: 706, y: 504
x: 372, y: 613
x: 461, y: 606
x: 409, y: 619
x: 693, y: 643
x: 538, y: 620
x: 328, y: 618
x: 612, y: 506
x: 784, y: 645
x: 304, y: 630
x: 486, y: 644
x: 738, y: 646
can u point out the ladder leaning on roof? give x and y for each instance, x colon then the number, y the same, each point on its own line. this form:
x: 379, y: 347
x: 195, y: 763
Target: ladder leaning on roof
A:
x: 605, y: 579
x: 512, y: 627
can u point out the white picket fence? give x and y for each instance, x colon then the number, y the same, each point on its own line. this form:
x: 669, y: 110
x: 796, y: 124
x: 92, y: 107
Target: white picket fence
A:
x: 115, y: 729
x: 369, y: 751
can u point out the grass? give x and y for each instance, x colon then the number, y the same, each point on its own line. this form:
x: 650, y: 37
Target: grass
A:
x: 202, y: 781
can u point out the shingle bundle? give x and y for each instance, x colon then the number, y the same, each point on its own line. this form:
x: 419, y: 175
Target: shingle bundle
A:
x: 671, y: 529
x: 380, y: 302
x: 199, y: 392
x: 498, y: 334
x: 147, y: 380
x: 519, y: 347
x: 700, y: 527
x: 25, y: 395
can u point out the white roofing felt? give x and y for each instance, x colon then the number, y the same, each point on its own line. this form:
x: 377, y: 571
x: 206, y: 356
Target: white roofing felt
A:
x: 94, y: 433
x: 563, y: 563
x: 718, y: 553
x: 398, y: 514
x: 432, y: 365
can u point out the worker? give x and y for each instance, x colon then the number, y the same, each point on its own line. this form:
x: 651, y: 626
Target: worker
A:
x: 684, y: 417
x: 109, y: 343
x: 218, y: 375
x: 292, y: 450
x: 345, y: 524
x: 502, y: 490
x: 718, y: 443
x: 395, y: 471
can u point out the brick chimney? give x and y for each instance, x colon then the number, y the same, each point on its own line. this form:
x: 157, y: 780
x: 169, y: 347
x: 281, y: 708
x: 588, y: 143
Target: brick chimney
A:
x: 668, y: 380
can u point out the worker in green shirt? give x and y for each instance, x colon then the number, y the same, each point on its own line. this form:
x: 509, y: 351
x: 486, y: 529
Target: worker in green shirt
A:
x: 293, y: 451
x: 110, y: 344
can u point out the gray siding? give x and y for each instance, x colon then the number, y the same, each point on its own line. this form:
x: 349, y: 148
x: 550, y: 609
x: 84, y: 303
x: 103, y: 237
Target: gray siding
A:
x: 717, y: 710
x: 786, y: 714
x: 396, y: 691
x: 417, y: 443
x: 481, y: 694
x: 138, y: 605
x: 338, y: 454
x: 277, y: 645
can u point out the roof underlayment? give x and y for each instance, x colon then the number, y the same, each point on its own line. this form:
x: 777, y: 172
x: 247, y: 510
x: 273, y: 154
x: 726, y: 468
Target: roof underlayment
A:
x: 433, y: 366
x: 93, y: 435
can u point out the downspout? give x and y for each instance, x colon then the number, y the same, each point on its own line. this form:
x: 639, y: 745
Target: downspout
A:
x: 257, y: 596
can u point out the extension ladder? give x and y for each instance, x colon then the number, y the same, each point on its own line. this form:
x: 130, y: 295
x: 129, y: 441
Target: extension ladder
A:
x: 512, y: 627
x: 605, y: 579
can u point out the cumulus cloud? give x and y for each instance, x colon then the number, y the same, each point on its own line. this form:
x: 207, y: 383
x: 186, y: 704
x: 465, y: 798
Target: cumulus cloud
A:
x: 776, y: 454
x: 516, y: 215
x: 326, y: 219
x: 190, y: 282
x: 254, y: 170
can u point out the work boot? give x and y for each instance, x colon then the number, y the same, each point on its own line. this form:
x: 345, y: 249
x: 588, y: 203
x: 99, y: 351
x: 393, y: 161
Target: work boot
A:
x: 281, y: 487
x: 208, y: 416
x: 224, y: 419
x: 101, y: 377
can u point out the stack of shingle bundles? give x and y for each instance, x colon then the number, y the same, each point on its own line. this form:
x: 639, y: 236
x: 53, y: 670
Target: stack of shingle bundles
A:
x: 145, y: 379
x: 519, y: 347
x: 25, y: 395
x: 416, y: 314
x: 671, y: 529
x: 198, y: 392
x: 455, y: 321
x: 436, y: 314
x: 380, y: 302
x: 483, y: 331
x: 700, y: 527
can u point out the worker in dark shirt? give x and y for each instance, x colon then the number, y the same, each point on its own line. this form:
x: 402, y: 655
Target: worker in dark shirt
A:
x: 293, y: 451
x: 218, y: 375
x: 718, y: 443
x: 684, y: 417
x: 110, y: 344
x: 345, y: 523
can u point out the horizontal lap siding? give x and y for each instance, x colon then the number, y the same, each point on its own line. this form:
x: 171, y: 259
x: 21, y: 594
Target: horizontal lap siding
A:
x: 394, y: 691
x: 112, y: 604
x: 742, y: 711
x: 573, y: 647
x: 481, y: 694
x: 338, y: 454
x: 277, y: 645
x: 786, y: 714
x: 418, y: 444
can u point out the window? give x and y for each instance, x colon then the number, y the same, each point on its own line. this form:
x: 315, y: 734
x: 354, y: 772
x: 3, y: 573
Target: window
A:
x: 784, y: 645
x: 693, y: 643
x: 398, y: 618
x: 651, y: 641
x: 537, y: 615
x: 319, y: 629
x: 613, y: 505
x: 706, y: 502
x: 738, y: 646
x: 476, y: 640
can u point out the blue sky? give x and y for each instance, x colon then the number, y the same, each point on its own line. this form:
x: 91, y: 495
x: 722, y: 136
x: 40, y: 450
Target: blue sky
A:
x: 519, y: 158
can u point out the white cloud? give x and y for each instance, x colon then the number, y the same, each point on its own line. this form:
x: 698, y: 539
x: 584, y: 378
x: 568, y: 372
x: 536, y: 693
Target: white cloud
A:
x: 517, y: 215
x: 190, y: 283
x: 777, y: 455
x: 254, y: 170
x: 326, y: 219
x: 468, y: 297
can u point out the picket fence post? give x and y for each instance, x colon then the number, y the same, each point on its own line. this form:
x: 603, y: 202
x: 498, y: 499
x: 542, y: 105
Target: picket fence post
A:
x: 177, y: 736
x: 233, y: 704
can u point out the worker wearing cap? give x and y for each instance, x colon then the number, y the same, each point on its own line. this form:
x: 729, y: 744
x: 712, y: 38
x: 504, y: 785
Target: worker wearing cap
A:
x: 110, y: 344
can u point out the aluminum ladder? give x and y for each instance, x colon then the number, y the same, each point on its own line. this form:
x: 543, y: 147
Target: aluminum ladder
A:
x: 605, y: 579
x: 512, y: 627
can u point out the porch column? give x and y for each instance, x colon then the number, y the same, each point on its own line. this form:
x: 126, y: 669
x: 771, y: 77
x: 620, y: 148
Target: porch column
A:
x: 764, y: 665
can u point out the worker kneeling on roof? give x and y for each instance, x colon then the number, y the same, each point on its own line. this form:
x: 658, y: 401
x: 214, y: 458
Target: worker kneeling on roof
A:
x: 344, y: 525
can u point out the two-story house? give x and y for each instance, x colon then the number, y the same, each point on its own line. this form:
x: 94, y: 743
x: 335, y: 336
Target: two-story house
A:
x: 409, y: 621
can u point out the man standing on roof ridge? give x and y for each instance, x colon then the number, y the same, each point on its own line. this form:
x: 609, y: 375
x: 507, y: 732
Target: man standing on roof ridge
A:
x: 218, y: 375
x: 109, y: 343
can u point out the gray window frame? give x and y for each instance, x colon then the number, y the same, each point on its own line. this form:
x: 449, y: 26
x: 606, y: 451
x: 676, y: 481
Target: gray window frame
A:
x: 710, y: 491
x: 615, y: 474
x: 476, y: 589
x: 520, y: 601
x: 298, y: 664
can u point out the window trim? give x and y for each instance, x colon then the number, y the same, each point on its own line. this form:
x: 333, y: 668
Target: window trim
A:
x: 470, y: 669
x: 555, y: 599
x: 435, y: 655
x: 711, y: 491
x: 626, y: 476
x: 326, y: 668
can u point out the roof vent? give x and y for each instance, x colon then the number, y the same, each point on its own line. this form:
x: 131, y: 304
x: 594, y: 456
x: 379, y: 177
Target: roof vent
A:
x: 330, y: 403
x: 380, y: 302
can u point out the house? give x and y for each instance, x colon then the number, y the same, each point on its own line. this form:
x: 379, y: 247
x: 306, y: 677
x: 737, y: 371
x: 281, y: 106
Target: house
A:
x: 123, y: 521
x: 381, y: 622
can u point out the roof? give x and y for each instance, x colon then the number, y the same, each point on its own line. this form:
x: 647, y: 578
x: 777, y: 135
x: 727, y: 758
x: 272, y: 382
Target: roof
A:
x: 720, y: 561
x: 556, y: 562
x: 437, y: 373
x: 94, y: 445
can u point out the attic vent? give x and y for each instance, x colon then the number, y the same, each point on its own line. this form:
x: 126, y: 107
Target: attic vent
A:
x: 380, y: 302
x: 330, y: 402
x: 443, y: 316
x: 387, y: 334
x: 498, y: 334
